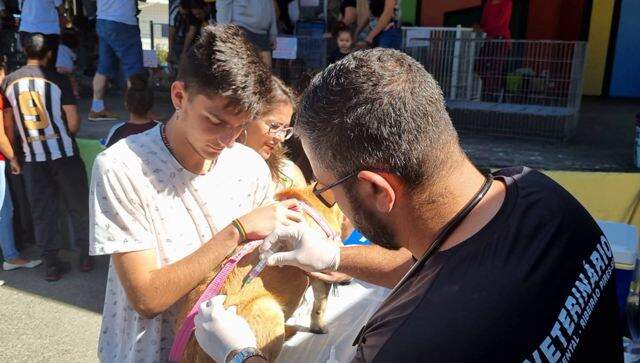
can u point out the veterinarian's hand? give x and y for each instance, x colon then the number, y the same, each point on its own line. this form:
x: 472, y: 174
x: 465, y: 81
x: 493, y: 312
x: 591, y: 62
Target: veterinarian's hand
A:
x: 220, y: 331
x: 303, y: 247
x: 264, y: 220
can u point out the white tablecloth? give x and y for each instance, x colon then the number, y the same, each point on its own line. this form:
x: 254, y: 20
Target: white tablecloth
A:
x: 348, y: 310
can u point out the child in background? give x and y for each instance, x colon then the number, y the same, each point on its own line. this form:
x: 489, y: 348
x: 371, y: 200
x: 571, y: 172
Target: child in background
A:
x: 65, y: 63
x: 138, y: 100
x: 344, y: 40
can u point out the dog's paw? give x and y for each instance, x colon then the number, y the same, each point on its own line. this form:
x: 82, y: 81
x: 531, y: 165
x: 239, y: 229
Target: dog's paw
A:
x: 318, y: 329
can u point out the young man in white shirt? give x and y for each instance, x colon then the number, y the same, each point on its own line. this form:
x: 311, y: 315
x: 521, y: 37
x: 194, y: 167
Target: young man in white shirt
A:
x: 166, y: 204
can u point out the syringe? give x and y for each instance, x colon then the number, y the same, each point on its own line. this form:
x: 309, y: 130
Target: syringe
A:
x: 257, y: 269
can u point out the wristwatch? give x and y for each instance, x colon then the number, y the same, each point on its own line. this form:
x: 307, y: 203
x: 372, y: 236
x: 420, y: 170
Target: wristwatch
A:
x: 243, y: 354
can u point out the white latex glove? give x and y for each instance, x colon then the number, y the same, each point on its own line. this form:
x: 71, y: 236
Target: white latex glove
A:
x: 220, y: 331
x: 303, y: 247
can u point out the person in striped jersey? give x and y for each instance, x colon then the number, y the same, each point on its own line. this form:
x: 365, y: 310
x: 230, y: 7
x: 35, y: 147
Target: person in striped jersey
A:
x: 44, y: 112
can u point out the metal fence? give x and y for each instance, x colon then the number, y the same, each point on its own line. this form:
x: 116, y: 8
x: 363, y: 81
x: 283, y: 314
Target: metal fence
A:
x: 529, y: 88
x: 524, y: 88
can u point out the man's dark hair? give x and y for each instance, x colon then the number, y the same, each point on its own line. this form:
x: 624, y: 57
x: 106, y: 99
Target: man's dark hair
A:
x: 36, y: 46
x: 378, y: 109
x: 223, y: 62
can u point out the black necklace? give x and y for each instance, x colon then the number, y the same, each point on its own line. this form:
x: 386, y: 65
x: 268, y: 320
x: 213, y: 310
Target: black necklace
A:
x: 163, y: 135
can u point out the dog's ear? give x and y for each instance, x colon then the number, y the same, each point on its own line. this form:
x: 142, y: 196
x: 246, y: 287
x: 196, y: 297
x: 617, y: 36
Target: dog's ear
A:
x: 292, y: 193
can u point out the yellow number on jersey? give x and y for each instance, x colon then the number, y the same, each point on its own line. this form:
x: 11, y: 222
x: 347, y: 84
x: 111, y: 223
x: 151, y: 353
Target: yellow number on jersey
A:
x: 33, y: 111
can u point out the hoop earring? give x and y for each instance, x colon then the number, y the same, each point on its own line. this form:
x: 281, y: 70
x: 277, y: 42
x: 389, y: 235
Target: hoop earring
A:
x: 243, y: 137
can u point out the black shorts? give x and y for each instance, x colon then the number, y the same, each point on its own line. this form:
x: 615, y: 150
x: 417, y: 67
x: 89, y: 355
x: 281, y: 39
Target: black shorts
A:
x: 262, y: 42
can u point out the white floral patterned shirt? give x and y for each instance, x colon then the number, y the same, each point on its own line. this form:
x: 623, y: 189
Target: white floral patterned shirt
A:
x: 141, y: 198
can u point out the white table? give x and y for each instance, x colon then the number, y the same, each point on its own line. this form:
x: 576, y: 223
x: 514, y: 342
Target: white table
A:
x: 348, y: 309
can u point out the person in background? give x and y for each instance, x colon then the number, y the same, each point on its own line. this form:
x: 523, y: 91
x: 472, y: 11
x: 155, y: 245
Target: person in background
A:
x: 198, y: 20
x: 491, y: 62
x: 258, y: 20
x: 385, y: 22
x: 43, y: 16
x: 179, y: 24
x: 12, y: 258
x: 283, y: 15
x: 344, y: 41
x: 269, y: 131
x: 66, y: 59
x: 44, y: 110
x: 120, y: 45
x: 349, y: 13
x: 138, y: 100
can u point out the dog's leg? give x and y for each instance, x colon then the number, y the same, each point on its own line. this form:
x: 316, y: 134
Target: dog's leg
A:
x: 320, y: 297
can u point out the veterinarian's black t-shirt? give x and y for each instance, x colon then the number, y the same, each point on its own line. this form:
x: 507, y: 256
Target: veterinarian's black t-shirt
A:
x: 534, y: 285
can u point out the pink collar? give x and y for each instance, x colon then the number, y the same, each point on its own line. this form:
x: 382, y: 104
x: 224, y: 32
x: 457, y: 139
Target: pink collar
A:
x: 188, y: 326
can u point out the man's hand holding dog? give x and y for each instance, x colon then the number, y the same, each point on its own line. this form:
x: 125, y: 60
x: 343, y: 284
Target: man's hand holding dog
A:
x: 302, y: 247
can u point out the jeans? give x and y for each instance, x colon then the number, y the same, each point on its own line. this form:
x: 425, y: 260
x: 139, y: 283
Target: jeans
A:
x: 390, y: 38
x: 118, y: 43
x: 7, y: 242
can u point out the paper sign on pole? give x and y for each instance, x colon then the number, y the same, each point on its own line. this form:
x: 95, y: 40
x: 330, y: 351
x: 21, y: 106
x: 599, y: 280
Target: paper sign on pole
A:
x: 286, y: 48
x: 149, y: 58
x: 417, y: 37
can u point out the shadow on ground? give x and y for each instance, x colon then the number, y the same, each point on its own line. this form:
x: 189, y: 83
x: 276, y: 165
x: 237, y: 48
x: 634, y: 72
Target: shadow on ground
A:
x: 79, y: 289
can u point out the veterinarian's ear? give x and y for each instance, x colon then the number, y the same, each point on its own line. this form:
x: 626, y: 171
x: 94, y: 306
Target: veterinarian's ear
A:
x: 376, y: 188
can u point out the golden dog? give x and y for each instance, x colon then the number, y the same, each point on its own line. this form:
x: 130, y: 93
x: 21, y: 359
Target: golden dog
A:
x: 271, y: 298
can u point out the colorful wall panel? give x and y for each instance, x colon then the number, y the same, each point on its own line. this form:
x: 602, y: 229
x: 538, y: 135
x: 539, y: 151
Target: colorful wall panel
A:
x: 432, y: 11
x: 597, y: 47
x: 625, y: 76
x: 408, y: 11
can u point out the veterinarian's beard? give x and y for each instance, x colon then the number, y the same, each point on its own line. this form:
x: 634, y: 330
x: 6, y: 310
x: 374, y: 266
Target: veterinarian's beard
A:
x: 370, y: 225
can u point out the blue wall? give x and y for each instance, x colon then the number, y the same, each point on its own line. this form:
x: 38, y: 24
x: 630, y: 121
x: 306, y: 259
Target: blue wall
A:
x: 625, y: 77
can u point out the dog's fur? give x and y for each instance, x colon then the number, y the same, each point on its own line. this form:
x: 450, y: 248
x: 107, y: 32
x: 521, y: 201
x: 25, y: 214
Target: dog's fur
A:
x: 270, y: 299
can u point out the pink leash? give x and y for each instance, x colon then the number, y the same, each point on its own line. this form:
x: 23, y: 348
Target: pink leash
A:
x: 188, y: 326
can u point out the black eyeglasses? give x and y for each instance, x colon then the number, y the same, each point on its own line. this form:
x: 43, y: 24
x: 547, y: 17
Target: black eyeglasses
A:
x: 324, y: 193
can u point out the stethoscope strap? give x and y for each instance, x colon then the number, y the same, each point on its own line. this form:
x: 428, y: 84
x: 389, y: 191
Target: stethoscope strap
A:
x: 444, y: 234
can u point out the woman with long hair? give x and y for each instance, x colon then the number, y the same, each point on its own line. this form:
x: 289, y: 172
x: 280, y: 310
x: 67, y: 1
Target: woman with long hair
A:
x: 269, y: 131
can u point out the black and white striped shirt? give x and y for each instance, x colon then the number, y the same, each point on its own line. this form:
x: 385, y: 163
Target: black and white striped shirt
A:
x: 36, y: 96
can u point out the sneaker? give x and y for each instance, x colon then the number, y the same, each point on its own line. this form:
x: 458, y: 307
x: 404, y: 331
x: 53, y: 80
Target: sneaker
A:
x: 28, y: 264
x: 87, y: 263
x: 55, y: 269
x: 103, y: 115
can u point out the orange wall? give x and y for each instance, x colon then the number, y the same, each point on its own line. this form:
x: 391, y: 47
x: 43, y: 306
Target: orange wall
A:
x: 432, y: 11
x: 558, y: 20
x: 542, y: 22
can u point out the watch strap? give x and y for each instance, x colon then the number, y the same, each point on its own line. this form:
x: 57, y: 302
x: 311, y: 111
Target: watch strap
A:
x: 244, y: 354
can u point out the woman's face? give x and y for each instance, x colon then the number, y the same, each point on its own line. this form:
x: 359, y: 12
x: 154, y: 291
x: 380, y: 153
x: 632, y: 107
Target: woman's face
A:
x: 267, y: 132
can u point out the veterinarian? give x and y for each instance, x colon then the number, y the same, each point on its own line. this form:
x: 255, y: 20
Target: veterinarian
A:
x: 501, y: 267
x: 171, y: 203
